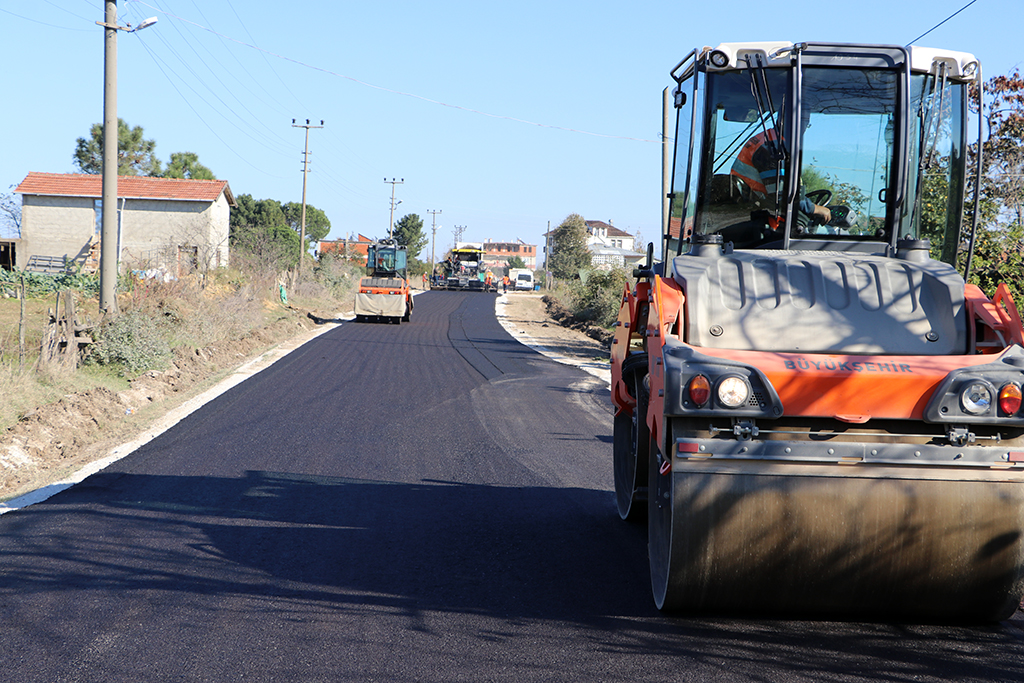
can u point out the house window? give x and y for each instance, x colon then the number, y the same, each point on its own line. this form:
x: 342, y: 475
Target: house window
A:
x: 97, y: 207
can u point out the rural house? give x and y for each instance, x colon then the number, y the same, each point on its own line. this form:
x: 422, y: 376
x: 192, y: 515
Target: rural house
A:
x: 609, y: 246
x: 163, y: 223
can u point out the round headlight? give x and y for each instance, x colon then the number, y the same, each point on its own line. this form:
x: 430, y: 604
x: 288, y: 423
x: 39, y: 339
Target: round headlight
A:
x: 719, y: 58
x: 733, y: 392
x: 976, y: 398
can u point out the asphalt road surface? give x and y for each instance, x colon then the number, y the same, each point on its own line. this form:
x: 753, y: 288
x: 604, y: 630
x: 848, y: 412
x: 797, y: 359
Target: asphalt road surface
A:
x: 423, y: 502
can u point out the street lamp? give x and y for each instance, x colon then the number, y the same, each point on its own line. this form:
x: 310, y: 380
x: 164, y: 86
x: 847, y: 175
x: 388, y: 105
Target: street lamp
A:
x: 108, y: 233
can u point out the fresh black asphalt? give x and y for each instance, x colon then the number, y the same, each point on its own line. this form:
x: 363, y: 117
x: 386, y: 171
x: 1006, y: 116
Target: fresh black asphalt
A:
x: 428, y: 501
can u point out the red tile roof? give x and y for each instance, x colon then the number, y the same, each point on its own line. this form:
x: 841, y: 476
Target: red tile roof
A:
x: 612, y: 230
x: 132, y: 187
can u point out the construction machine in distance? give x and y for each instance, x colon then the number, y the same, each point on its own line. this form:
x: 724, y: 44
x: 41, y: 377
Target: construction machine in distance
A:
x: 463, y: 269
x: 384, y: 293
x: 814, y: 414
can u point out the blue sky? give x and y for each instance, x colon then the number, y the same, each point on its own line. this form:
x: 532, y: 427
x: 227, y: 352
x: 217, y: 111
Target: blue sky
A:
x: 504, y: 116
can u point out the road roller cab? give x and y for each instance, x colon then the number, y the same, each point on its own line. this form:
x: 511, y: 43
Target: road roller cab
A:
x: 384, y: 293
x: 813, y: 412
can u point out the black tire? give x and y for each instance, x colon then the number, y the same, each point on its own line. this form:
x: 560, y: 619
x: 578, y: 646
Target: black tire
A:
x: 660, y: 511
x: 408, y: 314
x: 631, y: 443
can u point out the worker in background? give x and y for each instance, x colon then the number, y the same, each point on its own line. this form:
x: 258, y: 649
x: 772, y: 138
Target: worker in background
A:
x: 504, y: 284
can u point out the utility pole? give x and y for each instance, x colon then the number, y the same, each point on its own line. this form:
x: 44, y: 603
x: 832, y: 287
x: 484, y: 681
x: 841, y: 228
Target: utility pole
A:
x: 305, y: 172
x: 547, y: 256
x: 433, y: 238
x: 459, y: 229
x: 391, y: 222
x: 108, y: 226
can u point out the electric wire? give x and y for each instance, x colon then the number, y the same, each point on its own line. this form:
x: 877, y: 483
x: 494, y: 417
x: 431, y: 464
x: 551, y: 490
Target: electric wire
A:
x: 160, y: 66
x: 941, y: 23
x: 250, y: 131
x: 398, y: 92
x: 43, y: 23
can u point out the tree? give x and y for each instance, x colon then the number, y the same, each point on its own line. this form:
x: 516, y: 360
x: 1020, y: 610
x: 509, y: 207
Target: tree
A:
x: 10, y: 215
x: 317, y: 223
x: 516, y: 262
x: 1003, y: 157
x: 569, y: 253
x: 135, y: 154
x: 276, y: 246
x: 409, y: 231
x: 1000, y: 240
x: 265, y: 214
x: 186, y: 165
x: 639, y: 246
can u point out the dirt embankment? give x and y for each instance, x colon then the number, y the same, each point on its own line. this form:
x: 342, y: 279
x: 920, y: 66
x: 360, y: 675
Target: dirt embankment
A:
x: 54, y: 440
x: 561, y: 314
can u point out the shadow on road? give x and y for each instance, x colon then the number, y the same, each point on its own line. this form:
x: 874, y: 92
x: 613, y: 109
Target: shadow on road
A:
x: 305, y: 544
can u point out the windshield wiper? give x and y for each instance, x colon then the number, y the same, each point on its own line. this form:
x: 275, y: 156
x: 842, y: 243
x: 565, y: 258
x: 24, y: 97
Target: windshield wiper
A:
x: 766, y: 111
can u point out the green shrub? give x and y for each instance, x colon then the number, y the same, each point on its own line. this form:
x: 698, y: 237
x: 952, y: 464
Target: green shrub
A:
x: 597, y: 297
x: 131, y: 340
x: 39, y: 284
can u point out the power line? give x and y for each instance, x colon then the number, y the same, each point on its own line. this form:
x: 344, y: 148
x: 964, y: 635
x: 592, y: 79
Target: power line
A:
x: 43, y: 23
x: 397, y: 92
x: 157, y: 61
x: 941, y: 23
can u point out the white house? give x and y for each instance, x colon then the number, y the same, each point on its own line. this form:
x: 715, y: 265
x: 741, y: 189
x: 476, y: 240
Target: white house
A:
x: 164, y: 223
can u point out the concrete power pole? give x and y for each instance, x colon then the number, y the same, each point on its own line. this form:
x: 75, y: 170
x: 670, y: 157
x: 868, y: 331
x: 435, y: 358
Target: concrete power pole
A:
x: 108, y: 227
x: 547, y: 257
x: 305, y: 172
x: 108, y: 231
x: 433, y: 237
x: 391, y: 222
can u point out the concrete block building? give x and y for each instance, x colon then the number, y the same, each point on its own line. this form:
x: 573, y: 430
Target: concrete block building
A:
x: 163, y: 223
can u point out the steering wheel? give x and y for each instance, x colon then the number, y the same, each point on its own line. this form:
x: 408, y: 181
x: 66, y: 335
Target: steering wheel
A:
x: 820, y: 197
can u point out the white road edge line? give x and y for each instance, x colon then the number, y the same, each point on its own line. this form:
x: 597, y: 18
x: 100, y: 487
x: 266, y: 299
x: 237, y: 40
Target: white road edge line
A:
x: 602, y: 371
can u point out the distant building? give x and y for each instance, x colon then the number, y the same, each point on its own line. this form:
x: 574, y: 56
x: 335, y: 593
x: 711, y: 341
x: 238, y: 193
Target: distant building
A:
x: 163, y: 223
x: 609, y: 246
x: 355, y: 247
x: 497, y: 254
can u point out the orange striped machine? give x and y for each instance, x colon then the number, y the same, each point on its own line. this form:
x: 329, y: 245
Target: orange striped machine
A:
x: 813, y: 412
x: 384, y: 293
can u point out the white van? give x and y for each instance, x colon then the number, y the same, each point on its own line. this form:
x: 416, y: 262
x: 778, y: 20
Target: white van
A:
x: 522, y: 279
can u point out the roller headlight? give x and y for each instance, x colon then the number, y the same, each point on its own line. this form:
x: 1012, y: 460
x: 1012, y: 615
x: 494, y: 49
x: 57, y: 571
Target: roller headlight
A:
x: 976, y: 398
x: 733, y: 392
x: 719, y: 59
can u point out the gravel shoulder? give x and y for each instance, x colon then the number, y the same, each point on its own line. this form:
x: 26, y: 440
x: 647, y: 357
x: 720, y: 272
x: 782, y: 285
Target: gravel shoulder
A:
x: 525, y: 316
